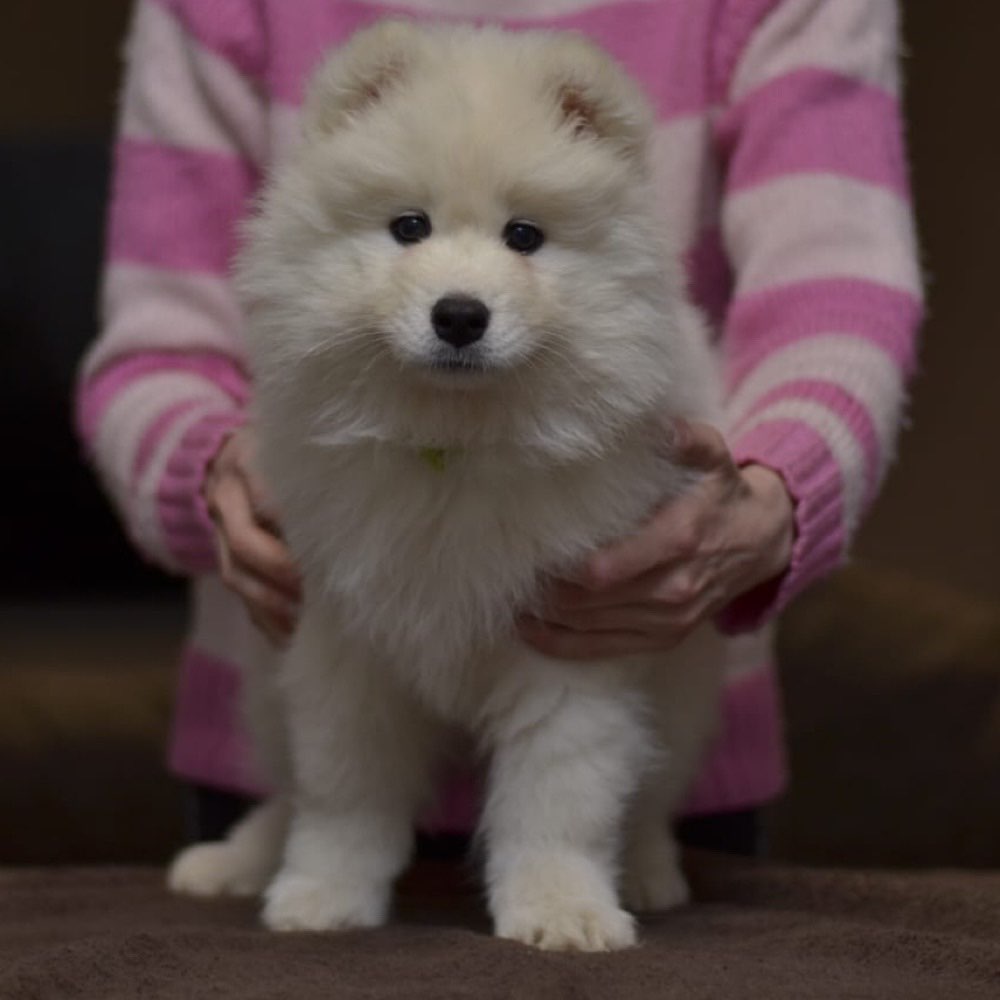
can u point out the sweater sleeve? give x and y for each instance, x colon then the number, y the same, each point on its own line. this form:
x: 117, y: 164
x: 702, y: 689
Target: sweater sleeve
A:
x: 166, y: 381
x: 816, y: 220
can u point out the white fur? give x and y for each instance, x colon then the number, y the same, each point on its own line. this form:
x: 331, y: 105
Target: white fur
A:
x: 414, y: 572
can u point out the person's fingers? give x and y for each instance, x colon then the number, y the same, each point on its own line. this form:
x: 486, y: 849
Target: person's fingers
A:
x: 225, y: 560
x: 268, y: 608
x: 672, y: 535
x: 221, y: 491
x: 277, y: 631
x: 674, y: 532
x: 267, y: 557
x: 566, y: 644
x: 237, y: 458
x: 671, y: 585
x: 644, y: 618
x: 699, y: 446
x: 271, y: 610
x: 266, y: 599
x: 262, y: 503
x: 258, y: 550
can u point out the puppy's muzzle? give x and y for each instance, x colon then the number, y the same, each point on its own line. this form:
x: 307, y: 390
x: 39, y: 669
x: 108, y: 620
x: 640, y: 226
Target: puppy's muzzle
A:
x: 459, y: 320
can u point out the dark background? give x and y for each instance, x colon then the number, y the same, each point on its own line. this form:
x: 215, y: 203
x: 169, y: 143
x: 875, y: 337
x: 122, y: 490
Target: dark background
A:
x: 59, y: 68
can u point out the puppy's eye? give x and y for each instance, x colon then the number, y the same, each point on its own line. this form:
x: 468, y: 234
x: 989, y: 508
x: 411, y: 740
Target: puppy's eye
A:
x: 524, y: 237
x: 410, y: 227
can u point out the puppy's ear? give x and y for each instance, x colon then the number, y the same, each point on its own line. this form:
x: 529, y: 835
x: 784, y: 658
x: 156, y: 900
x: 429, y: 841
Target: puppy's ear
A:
x: 594, y: 96
x: 360, y: 74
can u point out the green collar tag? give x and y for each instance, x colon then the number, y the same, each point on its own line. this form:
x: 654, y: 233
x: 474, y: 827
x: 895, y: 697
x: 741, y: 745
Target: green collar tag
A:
x: 436, y: 458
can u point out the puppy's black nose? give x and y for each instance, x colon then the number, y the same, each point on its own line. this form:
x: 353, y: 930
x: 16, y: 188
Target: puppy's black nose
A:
x: 459, y: 320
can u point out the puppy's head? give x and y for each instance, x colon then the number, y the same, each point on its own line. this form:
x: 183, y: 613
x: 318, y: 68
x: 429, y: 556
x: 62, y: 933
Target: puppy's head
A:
x: 462, y: 247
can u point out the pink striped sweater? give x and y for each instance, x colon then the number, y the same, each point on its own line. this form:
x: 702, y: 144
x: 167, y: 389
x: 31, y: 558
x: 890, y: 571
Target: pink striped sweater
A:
x: 779, y: 141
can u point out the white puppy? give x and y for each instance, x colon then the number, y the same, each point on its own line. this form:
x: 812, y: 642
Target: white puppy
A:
x: 468, y: 337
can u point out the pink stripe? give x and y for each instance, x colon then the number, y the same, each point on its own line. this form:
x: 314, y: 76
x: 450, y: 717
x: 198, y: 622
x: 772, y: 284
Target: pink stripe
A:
x: 834, y: 397
x: 186, y: 534
x: 457, y: 807
x: 153, y: 435
x: 150, y: 309
x: 731, y: 34
x: 747, y: 766
x: 95, y: 394
x: 207, y: 743
x: 814, y: 120
x: 177, y: 208
x: 639, y: 34
x: 231, y: 29
x: 763, y: 322
x: 183, y: 516
x: 710, y: 276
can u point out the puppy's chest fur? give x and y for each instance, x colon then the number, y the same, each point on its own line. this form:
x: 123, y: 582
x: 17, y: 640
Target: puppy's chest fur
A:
x: 430, y: 557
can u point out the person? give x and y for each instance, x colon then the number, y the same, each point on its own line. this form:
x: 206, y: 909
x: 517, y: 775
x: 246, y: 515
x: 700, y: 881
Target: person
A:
x: 779, y: 164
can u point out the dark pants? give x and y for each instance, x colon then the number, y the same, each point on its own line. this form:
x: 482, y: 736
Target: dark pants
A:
x: 211, y: 813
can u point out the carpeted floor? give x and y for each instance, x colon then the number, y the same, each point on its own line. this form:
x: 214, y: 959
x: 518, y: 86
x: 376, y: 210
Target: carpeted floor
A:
x: 759, y: 932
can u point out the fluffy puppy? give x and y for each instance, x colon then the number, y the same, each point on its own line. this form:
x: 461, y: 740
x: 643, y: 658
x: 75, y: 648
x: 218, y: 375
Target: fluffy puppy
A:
x: 468, y: 336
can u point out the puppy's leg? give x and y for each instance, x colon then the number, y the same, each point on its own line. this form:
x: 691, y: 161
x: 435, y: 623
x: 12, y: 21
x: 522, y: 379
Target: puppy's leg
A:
x: 568, y: 751
x: 684, y: 692
x: 652, y: 878
x: 362, y: 753
x: 245, y: 861
x: 240, y: 865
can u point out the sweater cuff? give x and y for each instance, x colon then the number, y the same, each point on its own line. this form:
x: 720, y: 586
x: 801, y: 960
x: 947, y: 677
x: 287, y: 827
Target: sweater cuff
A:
x: 813, y: 478
x: 187, y: 527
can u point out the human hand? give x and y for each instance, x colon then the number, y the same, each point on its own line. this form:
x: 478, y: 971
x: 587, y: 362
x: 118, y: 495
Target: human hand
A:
x: 733, y: 530
x: 254, y: 561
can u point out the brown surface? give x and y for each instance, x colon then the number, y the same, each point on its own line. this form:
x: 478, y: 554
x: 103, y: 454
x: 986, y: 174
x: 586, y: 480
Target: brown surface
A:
x: 760, y: 932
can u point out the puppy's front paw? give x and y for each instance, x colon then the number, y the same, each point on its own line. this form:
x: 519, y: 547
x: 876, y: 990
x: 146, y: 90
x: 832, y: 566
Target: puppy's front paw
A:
x: 559, y: 901
x: 568, y: 925
x: 653, y: 878
x: 217, y: 869
x: 301, y: 903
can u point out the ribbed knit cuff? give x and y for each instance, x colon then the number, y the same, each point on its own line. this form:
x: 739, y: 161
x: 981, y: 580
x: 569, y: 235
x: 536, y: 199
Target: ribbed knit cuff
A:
x: 187, y: 527
x: 813, y: 479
